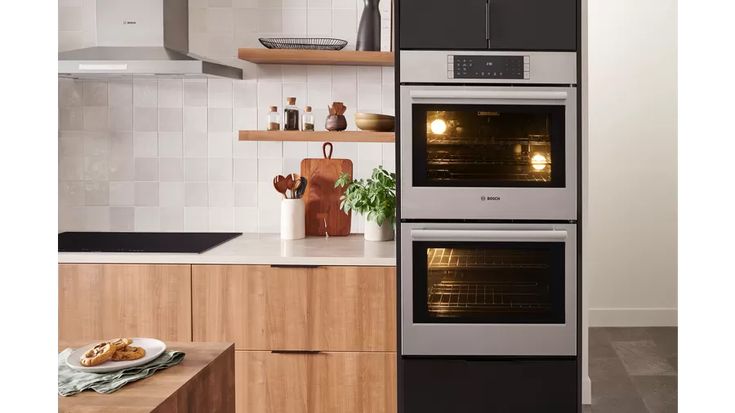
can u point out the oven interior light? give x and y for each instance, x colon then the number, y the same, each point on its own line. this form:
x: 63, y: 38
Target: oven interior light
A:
x: 538, y: 162
x: 438, y: 126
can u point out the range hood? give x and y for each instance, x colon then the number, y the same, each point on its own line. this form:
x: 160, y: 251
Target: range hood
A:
x: 141, y: 37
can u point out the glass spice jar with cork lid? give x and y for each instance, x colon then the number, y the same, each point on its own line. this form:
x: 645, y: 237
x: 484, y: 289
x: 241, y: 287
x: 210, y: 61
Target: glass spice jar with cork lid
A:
x: 291, y: 115
x: 273, y: 119
x: 307, y: 120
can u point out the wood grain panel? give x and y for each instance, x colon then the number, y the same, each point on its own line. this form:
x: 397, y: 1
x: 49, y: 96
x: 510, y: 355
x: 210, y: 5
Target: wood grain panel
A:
x: 315, y: 383
x: 321, y: 198
x: 324, y: 308
x: 316, y: 136
x: 203, y: 382
x: 229, y: 304
x: 124, y: 300
x: 316, y: 57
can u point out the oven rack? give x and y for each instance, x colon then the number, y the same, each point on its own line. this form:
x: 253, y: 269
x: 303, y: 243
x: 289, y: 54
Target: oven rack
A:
x: 453, y: 298
x: 453, y: 258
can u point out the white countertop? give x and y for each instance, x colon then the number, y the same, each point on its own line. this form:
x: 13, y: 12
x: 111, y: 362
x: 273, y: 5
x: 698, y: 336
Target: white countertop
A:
x: 264, y: 249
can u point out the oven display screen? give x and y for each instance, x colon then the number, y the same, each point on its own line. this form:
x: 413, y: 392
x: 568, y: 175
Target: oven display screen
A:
x: 489, y: 67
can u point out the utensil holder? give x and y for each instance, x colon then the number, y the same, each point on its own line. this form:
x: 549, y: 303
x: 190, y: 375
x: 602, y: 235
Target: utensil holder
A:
x: 293, y: 219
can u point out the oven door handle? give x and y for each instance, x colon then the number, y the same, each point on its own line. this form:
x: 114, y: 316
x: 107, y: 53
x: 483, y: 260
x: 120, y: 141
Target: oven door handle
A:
x: 487, y: 235
x: 423, y: 94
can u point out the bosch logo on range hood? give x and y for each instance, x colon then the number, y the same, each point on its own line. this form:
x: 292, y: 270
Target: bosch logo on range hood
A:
x: 148, y: 37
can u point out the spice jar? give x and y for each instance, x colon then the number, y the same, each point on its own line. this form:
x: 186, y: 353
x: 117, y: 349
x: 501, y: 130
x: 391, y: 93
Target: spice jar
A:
x: 308, y: 120
x: 273, y: 119
x: 291, y: 115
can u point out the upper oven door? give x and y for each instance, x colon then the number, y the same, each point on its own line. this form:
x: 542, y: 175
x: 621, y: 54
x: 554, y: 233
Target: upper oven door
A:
x: 488, y: 152
x: 488, y: 289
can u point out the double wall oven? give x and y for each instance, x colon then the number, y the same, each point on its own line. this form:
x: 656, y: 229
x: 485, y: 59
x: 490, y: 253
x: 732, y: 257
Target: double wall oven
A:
x: 488, y: 200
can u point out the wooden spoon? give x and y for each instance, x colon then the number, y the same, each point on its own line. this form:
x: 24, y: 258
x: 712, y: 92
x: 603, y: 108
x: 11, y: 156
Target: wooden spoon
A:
x: 295, y: 182
x: 279, y: 182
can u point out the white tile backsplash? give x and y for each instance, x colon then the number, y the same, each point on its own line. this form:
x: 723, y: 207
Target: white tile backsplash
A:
x: 161, y: 154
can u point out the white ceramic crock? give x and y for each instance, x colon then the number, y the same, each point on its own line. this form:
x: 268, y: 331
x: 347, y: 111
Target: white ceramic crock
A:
x: 292, y: 219
x: 375, y: 232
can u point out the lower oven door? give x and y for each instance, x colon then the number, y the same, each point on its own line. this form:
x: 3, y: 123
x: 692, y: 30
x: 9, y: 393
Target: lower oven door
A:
x: 488, y: 289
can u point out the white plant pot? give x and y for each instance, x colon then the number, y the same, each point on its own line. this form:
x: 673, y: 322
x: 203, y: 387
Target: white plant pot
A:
x: 293, y: 219
x: 375, y: 232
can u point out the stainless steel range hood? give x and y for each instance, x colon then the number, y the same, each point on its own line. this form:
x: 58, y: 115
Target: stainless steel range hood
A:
x: 146, y: 37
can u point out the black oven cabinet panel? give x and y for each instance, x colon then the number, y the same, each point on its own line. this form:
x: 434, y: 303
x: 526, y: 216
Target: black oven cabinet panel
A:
x: 538, y: 25
x: 489, y: 386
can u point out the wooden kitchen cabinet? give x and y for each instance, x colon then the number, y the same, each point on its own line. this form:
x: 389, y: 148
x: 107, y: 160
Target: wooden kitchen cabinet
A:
x: 124, y: 300
x: 295, y: 308
x: 328, y: 382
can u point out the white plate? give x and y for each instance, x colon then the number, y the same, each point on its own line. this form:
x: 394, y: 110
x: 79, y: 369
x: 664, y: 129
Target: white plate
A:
x: 153, y: 349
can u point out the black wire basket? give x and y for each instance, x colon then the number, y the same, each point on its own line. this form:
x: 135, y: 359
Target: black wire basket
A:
x: 303, y: 43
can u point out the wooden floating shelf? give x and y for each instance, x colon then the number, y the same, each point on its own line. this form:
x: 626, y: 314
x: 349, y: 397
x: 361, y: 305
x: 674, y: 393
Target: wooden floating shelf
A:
x: 317, y: 136
x: 315, y: 57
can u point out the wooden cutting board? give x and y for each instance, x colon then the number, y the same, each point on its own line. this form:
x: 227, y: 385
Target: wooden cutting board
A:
x: 321, y: 198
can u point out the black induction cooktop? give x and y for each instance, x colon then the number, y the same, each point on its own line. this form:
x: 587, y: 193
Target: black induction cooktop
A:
x: 181, y: 242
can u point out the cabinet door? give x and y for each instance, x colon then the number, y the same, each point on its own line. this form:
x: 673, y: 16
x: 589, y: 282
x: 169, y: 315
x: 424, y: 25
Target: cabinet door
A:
x: 533, y: 24
x: 99, y: 301
x: 324, y: 308
x: 442, y: 24
x: 315, y: 383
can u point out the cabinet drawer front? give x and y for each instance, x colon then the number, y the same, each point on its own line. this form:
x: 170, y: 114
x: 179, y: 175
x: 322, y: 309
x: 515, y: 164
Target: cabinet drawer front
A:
x: 99, y: 301
x: 324, y: 382
x: 325, y: 308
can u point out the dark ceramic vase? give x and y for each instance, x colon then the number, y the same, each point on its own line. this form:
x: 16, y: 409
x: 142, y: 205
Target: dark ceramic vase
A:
x: 368, y: 34
x: 336, y: 123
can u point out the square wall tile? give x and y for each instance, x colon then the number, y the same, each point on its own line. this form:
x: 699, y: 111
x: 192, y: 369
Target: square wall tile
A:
x: 171, y: 169
x: 245, y: 170
x: 196, y: 144
x: 268, y: 168
x: 96, y: 218
x: 145, y: 119
x: 195, y: 119
x: 195, y: 169
x: 221, y: 194
x: 95, y: 93
x: 120, y: 93
x: 171, y: 194
x: 172, y: 219
x: 319, y: 22
x: 219, y: 120
x: 246, y: 194
x: 246, y: 219
x: 170, y: 144
x: 245, y: 93
x: 246, y: 119
x: 71, y: 193
x: 170, y: 93
x: 122, y: 193
x: 146, y: 193
x: 121, y: 167
x: 196, y: 219
x: 220, y: 145
x: 146, y: 169
x: 270, y: 150
x: 122, y: 219
x: 195, y: 92
x: 170, y: 120
x: 71, y: 118
x: 220, y: 92
x: 245, y: 149
x: 221, y: 219
x: 196, y: 194
x: 147, y: 219
x: 96, y: 193
x: 121, y: 118
x: 95, y: 118
x: 145, y: 93
x: 145, y: 144
x: 71, y: 168
x: 220, y: 169
x: 71, y: 93
x: 96, y: 168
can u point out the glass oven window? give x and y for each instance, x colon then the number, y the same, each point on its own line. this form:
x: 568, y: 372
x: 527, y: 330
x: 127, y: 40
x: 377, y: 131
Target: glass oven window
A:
x: 488, y: 145
x: 489, y: 282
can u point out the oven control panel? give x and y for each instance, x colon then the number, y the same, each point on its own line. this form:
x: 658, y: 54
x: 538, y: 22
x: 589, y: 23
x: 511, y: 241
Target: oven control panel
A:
x: 488, y: 67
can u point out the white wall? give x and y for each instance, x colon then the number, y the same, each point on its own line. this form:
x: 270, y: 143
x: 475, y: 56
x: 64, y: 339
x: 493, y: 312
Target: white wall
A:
x: 630, y: 254
x: 155, y: 154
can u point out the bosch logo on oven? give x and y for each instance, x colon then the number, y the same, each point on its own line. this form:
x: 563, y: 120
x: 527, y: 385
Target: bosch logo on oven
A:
x: 489, y: 198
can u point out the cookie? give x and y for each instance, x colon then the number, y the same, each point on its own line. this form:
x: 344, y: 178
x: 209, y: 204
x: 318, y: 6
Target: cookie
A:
x: 98, y: 354
x: 128, y: 353
x: 121, y: 343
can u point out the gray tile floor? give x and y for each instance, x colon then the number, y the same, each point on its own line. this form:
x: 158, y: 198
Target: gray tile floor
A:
x: 633, y: 370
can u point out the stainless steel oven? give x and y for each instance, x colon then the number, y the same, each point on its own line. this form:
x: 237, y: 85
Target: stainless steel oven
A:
x: 488, y: 289
x: 478, y: 151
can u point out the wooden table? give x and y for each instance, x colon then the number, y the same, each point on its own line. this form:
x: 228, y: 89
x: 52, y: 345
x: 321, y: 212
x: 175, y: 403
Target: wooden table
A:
x: 203, y: 382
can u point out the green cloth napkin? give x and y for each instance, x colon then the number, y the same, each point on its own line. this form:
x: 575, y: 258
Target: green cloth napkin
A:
x: 74, y: 381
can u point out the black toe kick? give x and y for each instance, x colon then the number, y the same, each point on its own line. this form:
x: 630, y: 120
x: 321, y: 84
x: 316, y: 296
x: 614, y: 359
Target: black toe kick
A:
x: 489, y: 385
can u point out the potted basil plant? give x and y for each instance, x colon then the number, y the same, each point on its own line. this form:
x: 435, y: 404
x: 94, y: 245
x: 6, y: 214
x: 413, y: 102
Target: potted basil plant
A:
x: 375, y: 199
